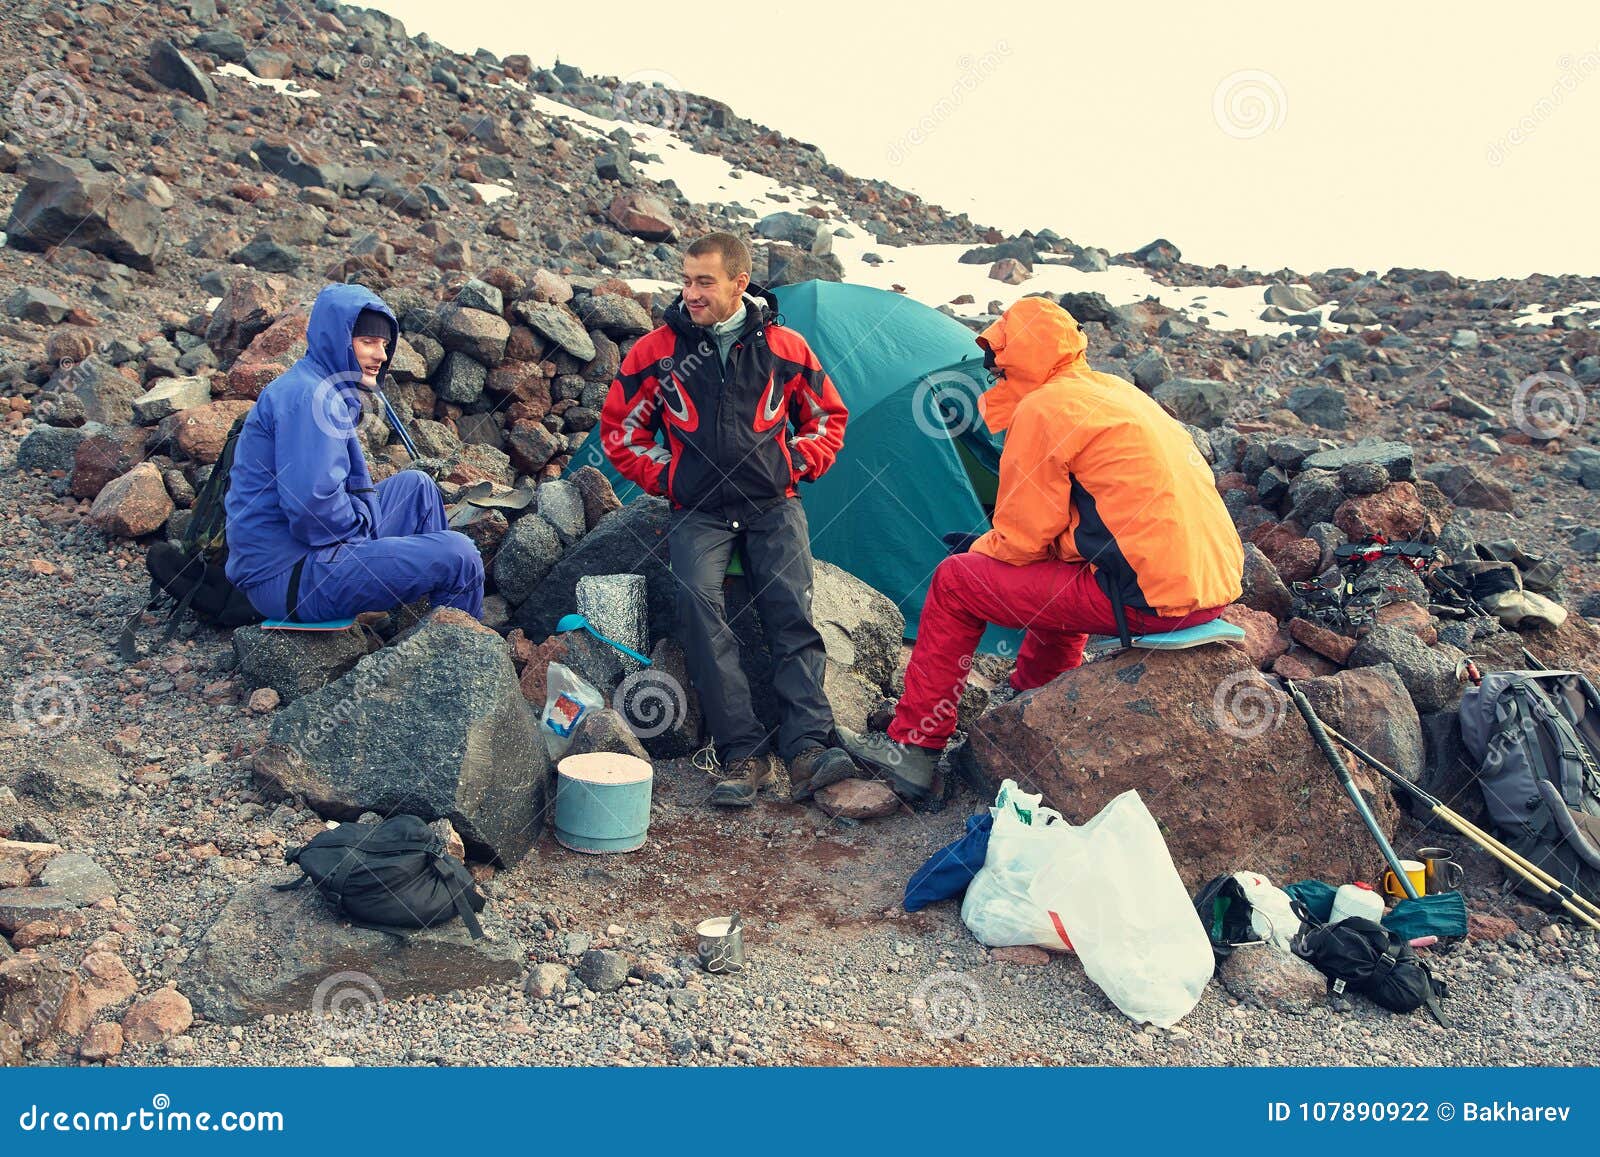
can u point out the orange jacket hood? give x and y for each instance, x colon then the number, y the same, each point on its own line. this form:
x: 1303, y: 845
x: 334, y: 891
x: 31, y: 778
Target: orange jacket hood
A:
x: 1033, y: 341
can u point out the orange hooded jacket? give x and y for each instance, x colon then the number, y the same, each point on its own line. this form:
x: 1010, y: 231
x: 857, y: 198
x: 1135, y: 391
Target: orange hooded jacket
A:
x: 1095, y: 470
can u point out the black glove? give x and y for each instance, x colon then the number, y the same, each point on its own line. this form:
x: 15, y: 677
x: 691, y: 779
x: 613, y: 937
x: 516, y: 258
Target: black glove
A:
x: 959, y: 543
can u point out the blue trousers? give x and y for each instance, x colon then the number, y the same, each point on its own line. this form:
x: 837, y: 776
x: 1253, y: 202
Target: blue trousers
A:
x: 411, y: 556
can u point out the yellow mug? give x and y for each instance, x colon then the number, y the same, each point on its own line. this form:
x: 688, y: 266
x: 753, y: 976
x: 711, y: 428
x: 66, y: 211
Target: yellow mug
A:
x: 1415, y: 870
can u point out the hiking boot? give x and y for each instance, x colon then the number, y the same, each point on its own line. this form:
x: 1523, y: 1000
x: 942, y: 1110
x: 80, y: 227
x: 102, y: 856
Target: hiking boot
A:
x: 815, y: 768
x: 909, y: 769
x: 745, y: 778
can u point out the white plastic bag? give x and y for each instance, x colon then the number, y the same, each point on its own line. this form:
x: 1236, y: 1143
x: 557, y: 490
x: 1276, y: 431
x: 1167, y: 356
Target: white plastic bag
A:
x: 1112, y: 885
x: 998, y: 909
x: 1272, y: 915
x: 567, y: 700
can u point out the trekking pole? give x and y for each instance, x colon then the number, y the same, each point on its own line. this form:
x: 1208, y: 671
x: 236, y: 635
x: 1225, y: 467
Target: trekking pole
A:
x: 1553, y: 889
x: 1320, y: 736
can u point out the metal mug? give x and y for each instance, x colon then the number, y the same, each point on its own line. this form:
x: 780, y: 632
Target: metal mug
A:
x: 718, y: 951
x: 1444, y: 871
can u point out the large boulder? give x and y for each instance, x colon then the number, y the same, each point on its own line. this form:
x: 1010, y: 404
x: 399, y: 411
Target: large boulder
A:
x: 1198, y: 401
x: 135, y: 504
x: 285, y: 952
x: 433, y: 725
x: 67, y: 201
x: 1217, y: 753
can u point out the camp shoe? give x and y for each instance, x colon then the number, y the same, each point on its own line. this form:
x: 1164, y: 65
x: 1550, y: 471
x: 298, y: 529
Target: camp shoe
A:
x: 909, y: 769
x: 817, y: 767
x: 745, y: 778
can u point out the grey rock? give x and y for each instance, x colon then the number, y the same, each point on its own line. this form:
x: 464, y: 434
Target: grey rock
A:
x: 1263, y: 589
x: 1295, y: 298
x: 222, y: 43
x: 19, y: 906
x: 663, y: 708
x: 1396, y: 458
x: 1150, y: 369
x: 547, y: 980
x: 76, y: 875
x: 1313, y: 497
x: 561, y: 505
x: 296, y: 663
x: 477, y: 333
x: 627, y: 541
x: 1357, y: 478
x: 558, y: 324
x: 36, y: 304
x: 168, y: 396
x: 269, y: 255
x: 68, y: 771
x: 52, y: 447
x: 1428, y: 674
x: 805, y: 231
x: 461, y: 378
x: 605, y: 730
x: 170, y: 67
x: 106, y: 393
x: 527, y: 553
x: 477, y: 294
x: 1319, y: 405
x: 617, y: 606
x: 615, y: 315
x: 1292, y: 453
x: 1371, y: 706
x: 67, y: 201
x: 1198, y: 401
x: 603, y: 970
x: 288, y: 952
x: 1468, y: 484
x: 432, y: 725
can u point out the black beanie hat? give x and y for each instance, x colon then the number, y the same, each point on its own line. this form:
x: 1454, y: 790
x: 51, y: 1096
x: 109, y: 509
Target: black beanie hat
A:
x: 371, y: 323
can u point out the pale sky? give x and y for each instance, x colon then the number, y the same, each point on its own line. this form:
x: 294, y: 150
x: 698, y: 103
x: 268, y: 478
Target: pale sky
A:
x: 1361, y: 134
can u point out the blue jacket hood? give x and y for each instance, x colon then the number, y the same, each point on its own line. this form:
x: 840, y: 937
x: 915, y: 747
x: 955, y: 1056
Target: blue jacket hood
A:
x: 333, y: 321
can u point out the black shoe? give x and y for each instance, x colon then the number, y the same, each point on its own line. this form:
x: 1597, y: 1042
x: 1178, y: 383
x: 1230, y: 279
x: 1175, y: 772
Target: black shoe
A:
x: 909, y: 769
x: 744, y: 780
x: 817, y: 767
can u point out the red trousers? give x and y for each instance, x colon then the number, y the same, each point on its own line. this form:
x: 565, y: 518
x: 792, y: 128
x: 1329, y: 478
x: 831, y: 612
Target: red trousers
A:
x: 1059, y: 604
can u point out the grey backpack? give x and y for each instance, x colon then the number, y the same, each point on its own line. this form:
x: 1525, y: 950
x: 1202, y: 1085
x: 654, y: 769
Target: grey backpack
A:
x: 1535, y: 736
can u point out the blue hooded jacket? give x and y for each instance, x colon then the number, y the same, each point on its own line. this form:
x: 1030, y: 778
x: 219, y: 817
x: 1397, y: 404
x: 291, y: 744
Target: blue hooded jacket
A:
x: 299, y: 480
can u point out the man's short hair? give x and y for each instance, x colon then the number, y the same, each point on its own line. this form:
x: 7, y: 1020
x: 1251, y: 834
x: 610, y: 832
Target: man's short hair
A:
x: 735, y: 253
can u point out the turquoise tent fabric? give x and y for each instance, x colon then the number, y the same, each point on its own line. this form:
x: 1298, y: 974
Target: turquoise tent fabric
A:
x: 911, y: 377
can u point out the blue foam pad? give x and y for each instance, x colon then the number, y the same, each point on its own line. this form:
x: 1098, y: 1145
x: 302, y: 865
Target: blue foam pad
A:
x: 286, y: 625
x: 1216, y: 631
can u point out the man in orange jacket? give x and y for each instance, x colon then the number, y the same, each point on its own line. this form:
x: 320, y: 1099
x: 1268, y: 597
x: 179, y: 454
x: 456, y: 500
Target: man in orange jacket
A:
x: 1107, y: 522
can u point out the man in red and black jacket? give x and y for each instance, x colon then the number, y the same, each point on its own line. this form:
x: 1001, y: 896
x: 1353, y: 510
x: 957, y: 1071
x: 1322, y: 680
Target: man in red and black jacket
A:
x: 747, y: 413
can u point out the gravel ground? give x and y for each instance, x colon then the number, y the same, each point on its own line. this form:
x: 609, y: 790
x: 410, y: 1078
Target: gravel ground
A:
x: 838, y: 974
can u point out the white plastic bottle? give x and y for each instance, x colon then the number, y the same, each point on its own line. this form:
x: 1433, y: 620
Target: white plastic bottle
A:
x: 1358, y: 899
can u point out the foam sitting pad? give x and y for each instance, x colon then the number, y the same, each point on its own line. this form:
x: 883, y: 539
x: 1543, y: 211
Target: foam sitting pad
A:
x: 286, y: 625
x: 1216, y: 631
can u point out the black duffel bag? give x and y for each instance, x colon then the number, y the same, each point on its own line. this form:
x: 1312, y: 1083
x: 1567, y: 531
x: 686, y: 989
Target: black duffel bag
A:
x: 1363, y: 955
x: 390, y: 875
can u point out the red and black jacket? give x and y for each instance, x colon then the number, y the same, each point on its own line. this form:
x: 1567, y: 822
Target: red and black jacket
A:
x: 729, y: 450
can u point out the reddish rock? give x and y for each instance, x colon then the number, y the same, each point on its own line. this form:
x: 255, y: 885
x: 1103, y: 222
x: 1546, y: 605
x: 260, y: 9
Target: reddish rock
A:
x: 162, y: 1015
x: 858, y: 799
x: 552, y: 650
x: 248, y: 307
x: 1009, y: 270
x: 263, y: 700
x: 1329, y: 644
x: 1297, y: 560
x: 203, y: 429
x: 1298, y: 664
x: 525, y: 381
x: 135, y: 504
x: 599, y: 499
x: 645, y: 215
x: 106, y: 982
x: 1214, y: 750
x: 276, y: 349
x: 39, y: 995
x: 101, y: 457
x: 37, y: 932
x: 1272, y: 537
x: 1396, y: 512
x: 1484, y: 927
x: 529, y: 446
x: 1027, y: 954
x: 1412, y: 617
x: 1262, y: 640
x: 101, y: 1043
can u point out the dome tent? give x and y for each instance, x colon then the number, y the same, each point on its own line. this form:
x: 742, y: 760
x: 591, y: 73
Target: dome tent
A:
x: 917, y: 461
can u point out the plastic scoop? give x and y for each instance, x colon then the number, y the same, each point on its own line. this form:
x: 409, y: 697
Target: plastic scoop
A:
x: 581, y: 623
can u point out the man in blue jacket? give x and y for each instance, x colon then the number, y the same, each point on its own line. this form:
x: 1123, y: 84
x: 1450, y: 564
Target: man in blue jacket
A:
x: 310, y: 537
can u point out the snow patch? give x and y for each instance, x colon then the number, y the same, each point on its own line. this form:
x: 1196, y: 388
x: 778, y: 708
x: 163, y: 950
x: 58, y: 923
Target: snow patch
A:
x: 492, y: 193
x: 286, y: 87
x: 1538, y: 315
